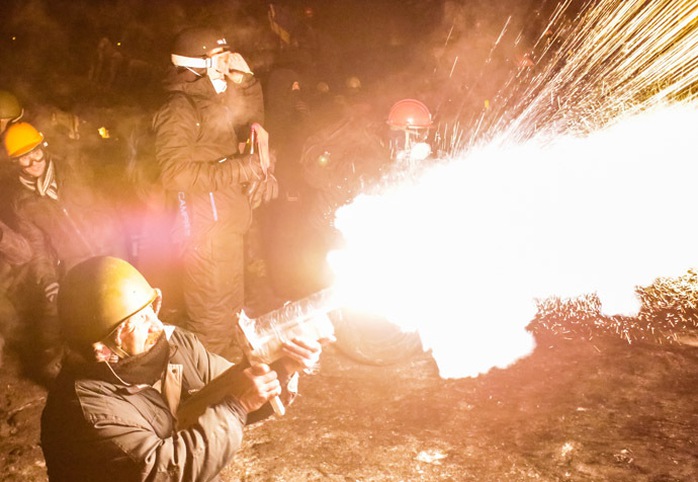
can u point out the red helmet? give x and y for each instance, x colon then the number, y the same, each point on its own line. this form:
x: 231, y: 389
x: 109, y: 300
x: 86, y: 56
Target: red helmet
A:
x: 409, y: 113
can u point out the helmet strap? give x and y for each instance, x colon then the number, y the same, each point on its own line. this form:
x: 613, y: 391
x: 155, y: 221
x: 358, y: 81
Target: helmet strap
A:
x: 114, y: 347
x: 144, y: 368
x: 118, y: 351
x: 117, y: 376
x: 193, y: 71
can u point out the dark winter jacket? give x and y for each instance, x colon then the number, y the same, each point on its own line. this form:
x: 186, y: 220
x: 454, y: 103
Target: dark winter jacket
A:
x: 14, y: 249
x: 98, y: 429
x: 80, y: 224
x: 196, y: 130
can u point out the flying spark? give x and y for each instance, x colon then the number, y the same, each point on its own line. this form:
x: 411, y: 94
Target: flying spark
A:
x: 579, y: 180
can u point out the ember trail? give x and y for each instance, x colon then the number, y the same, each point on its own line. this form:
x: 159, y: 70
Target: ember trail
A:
x: 576, y: 181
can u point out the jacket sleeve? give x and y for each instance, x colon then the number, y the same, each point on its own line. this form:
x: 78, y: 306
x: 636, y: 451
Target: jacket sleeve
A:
x: 250, y: 96
x: 176, y: 130
x: 209, y: 366
x: 127, y: 440
x: 13, y: 246
x: 43, y: 261
x: 202, y: 366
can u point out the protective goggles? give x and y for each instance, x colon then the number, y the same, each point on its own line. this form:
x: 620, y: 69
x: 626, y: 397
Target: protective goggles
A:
x: 223, y: 62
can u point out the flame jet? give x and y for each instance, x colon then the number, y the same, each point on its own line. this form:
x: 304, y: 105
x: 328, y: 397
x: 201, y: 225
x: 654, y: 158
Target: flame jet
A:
x: 581, y: 180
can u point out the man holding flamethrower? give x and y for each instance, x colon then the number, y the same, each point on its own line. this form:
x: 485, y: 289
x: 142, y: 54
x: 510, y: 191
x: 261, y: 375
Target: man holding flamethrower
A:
x: 114, y: 411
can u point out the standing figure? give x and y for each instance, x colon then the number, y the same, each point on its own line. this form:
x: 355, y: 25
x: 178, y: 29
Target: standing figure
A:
x: 409, y: 121
x: 65, y: 219
x: 288, y: 119
x: 215, y: 103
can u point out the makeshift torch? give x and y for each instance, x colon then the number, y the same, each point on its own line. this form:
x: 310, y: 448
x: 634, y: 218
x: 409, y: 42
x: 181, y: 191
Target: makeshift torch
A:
x: 261, y: 339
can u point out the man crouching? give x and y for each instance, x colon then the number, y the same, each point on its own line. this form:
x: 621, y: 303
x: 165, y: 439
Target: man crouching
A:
x: 110, y: 413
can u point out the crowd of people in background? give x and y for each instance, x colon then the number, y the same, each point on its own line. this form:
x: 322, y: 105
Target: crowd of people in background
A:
x: 206, y: 155
x: 221, y: 192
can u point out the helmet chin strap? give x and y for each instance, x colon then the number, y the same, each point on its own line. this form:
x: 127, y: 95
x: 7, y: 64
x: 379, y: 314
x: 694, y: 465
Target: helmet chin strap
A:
x: 117, y: 350
x: 114, y: 346
x: 116, y: 353
x: 117, y: 376
x: 193, y: 71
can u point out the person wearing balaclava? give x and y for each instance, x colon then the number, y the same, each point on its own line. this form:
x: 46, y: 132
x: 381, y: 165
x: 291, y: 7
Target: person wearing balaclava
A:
x: 288, y: 119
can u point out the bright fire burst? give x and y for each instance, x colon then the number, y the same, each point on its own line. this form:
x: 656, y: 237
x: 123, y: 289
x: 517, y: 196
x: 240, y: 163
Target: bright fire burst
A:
x: 583, y: 181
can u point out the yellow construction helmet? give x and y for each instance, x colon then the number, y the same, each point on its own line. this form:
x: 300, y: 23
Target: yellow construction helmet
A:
x: 96, y: 296
x: 22, y: 138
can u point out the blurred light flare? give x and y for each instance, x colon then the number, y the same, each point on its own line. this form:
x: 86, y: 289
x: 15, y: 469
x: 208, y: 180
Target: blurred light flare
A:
x: 544, y: 206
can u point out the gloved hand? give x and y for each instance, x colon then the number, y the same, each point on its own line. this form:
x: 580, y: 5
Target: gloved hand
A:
x: 265, y: 188
x: 255, y: 386
x: 260, y: 145
x: 263, y: 191
x: 249, y: 169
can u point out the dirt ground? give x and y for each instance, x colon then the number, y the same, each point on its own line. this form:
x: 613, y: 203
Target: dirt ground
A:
x: 577, y: 410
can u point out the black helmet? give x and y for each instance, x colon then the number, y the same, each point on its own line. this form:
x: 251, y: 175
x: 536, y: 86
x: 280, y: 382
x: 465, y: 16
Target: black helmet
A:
x: 192, y: 46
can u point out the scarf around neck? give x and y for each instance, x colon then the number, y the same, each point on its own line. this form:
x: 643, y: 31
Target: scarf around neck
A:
x: 45, y: 185
x: 146, y: 368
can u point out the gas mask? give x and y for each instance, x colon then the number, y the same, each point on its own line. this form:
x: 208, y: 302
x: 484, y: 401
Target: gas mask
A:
x: 410, y: 145
x: 228, y: 65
